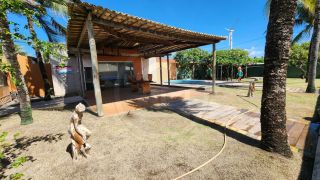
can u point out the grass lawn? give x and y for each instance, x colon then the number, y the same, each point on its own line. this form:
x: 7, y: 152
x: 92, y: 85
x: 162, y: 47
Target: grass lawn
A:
x: 142, y: 145
x: 300, y: 83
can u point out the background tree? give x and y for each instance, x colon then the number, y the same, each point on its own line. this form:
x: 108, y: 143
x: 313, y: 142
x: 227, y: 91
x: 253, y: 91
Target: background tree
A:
x: 314, y: 51
x: 299, y: 57
x: 273, y: 104
x: 189, y: 60
x: 232, y: 58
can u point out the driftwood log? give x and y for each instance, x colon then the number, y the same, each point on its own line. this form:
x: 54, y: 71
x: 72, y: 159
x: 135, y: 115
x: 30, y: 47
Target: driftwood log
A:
x: 79, y: 133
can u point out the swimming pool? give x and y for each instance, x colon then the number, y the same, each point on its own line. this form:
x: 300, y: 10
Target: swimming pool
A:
x: 191, y: 81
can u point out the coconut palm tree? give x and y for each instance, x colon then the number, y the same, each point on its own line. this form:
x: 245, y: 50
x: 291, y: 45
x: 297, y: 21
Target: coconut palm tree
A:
x: 314, y: 51
x: 304, y: 17
x: 52, y: 28
x: 273, y: 104
x: 10, y: 54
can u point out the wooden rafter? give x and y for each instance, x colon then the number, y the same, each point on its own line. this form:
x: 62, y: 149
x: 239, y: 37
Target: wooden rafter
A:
x: 83, y: 32
x: 146, y: 31
x: 114, y: 29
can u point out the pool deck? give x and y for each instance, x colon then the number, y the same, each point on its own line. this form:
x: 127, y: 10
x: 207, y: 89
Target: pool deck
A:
x: 207, y: 84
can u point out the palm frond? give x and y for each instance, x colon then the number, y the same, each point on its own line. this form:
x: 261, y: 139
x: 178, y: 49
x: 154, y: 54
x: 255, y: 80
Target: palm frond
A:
x: 309, y: 5
x: 58, y: 27
x: 267, y: 8
x: 306, y: 32
x: 57, y: 7
x: 52, y: 34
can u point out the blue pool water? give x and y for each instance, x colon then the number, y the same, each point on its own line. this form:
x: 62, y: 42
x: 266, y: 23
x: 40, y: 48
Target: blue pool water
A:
x: 190, y: 81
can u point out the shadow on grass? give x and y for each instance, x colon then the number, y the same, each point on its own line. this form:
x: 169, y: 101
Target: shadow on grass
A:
x: 180, y: 103
x: 14, y: 151
x: 308, y: 155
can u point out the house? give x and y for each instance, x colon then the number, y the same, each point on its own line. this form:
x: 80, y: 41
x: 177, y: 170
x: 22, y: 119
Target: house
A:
x: 106, y: 47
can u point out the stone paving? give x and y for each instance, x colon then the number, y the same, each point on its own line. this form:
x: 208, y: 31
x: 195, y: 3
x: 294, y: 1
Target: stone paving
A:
x: 54, y: 103
x: 246, y: 122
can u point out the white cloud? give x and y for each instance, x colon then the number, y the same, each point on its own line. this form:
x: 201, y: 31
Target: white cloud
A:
x: 254, y: 52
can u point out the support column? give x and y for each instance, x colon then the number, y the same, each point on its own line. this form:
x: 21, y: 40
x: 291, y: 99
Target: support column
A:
x: 214, y: 63
x: 160, y: 71
x: 168, y: 67
x: 95, y: 68
x: 81, y: 73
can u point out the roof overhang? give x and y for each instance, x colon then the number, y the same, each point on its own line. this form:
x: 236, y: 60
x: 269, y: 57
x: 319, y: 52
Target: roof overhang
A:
x: 117, y: 30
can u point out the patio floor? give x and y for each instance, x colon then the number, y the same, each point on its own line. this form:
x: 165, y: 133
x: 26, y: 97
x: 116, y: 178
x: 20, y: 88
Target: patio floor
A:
x: 121, y: 100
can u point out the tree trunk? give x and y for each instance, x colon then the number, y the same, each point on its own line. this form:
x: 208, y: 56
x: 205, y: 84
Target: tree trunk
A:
x: 231, y: 72
x: 11, y: 56
x: 193, y: 69
x: 308, y: 63
x: 303, y: 71
x: 314, y: 51
x: 47, y: 87
x: 273, y: 104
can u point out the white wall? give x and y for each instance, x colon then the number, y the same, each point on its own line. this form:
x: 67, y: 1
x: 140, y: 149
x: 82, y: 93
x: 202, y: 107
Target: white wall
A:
x: 69, y: 83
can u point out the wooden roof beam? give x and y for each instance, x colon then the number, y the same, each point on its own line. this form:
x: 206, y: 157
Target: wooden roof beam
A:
x: 83, y: 32
x: 154, y: 48
x: 134, y: 38
x: 146, y: 31
x: 171, y: 49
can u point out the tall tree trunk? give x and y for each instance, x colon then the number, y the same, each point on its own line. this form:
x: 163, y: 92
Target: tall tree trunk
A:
x: 10, y: 54
x: 314, y: 51
x: 231, y: 72
x: 47, y: 87
x: 193, y: 69
x: 308, y: 63
x: 273, y: 104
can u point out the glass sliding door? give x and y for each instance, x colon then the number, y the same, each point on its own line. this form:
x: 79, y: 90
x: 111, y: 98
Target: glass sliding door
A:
x: 114, y: 74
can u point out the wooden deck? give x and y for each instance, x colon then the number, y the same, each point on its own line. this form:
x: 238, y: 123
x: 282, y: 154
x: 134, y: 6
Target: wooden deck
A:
x: 247, y: 122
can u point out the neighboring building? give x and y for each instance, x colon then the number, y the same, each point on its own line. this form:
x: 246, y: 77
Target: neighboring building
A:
x: 152, y: 66
x: 32, y: 76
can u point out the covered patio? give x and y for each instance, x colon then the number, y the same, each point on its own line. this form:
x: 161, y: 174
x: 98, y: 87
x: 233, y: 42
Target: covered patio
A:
x: 121, y: 100
x: 113, y: 37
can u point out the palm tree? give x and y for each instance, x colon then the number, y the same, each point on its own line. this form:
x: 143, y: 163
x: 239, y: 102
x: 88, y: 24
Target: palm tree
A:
x: 314, y: 51
x: 273, y: 104
x: 52, y: 28
x: 11, y: 55
x: 304, y: 17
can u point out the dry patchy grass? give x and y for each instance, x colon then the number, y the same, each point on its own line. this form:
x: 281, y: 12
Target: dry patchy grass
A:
x: 142, y: 145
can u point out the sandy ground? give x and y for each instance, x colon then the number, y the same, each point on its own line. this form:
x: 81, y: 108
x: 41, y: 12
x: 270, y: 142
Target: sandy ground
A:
x: 146, y: 144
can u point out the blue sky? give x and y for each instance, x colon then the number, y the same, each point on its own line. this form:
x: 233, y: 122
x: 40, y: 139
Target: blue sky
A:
x: 247, y: 17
